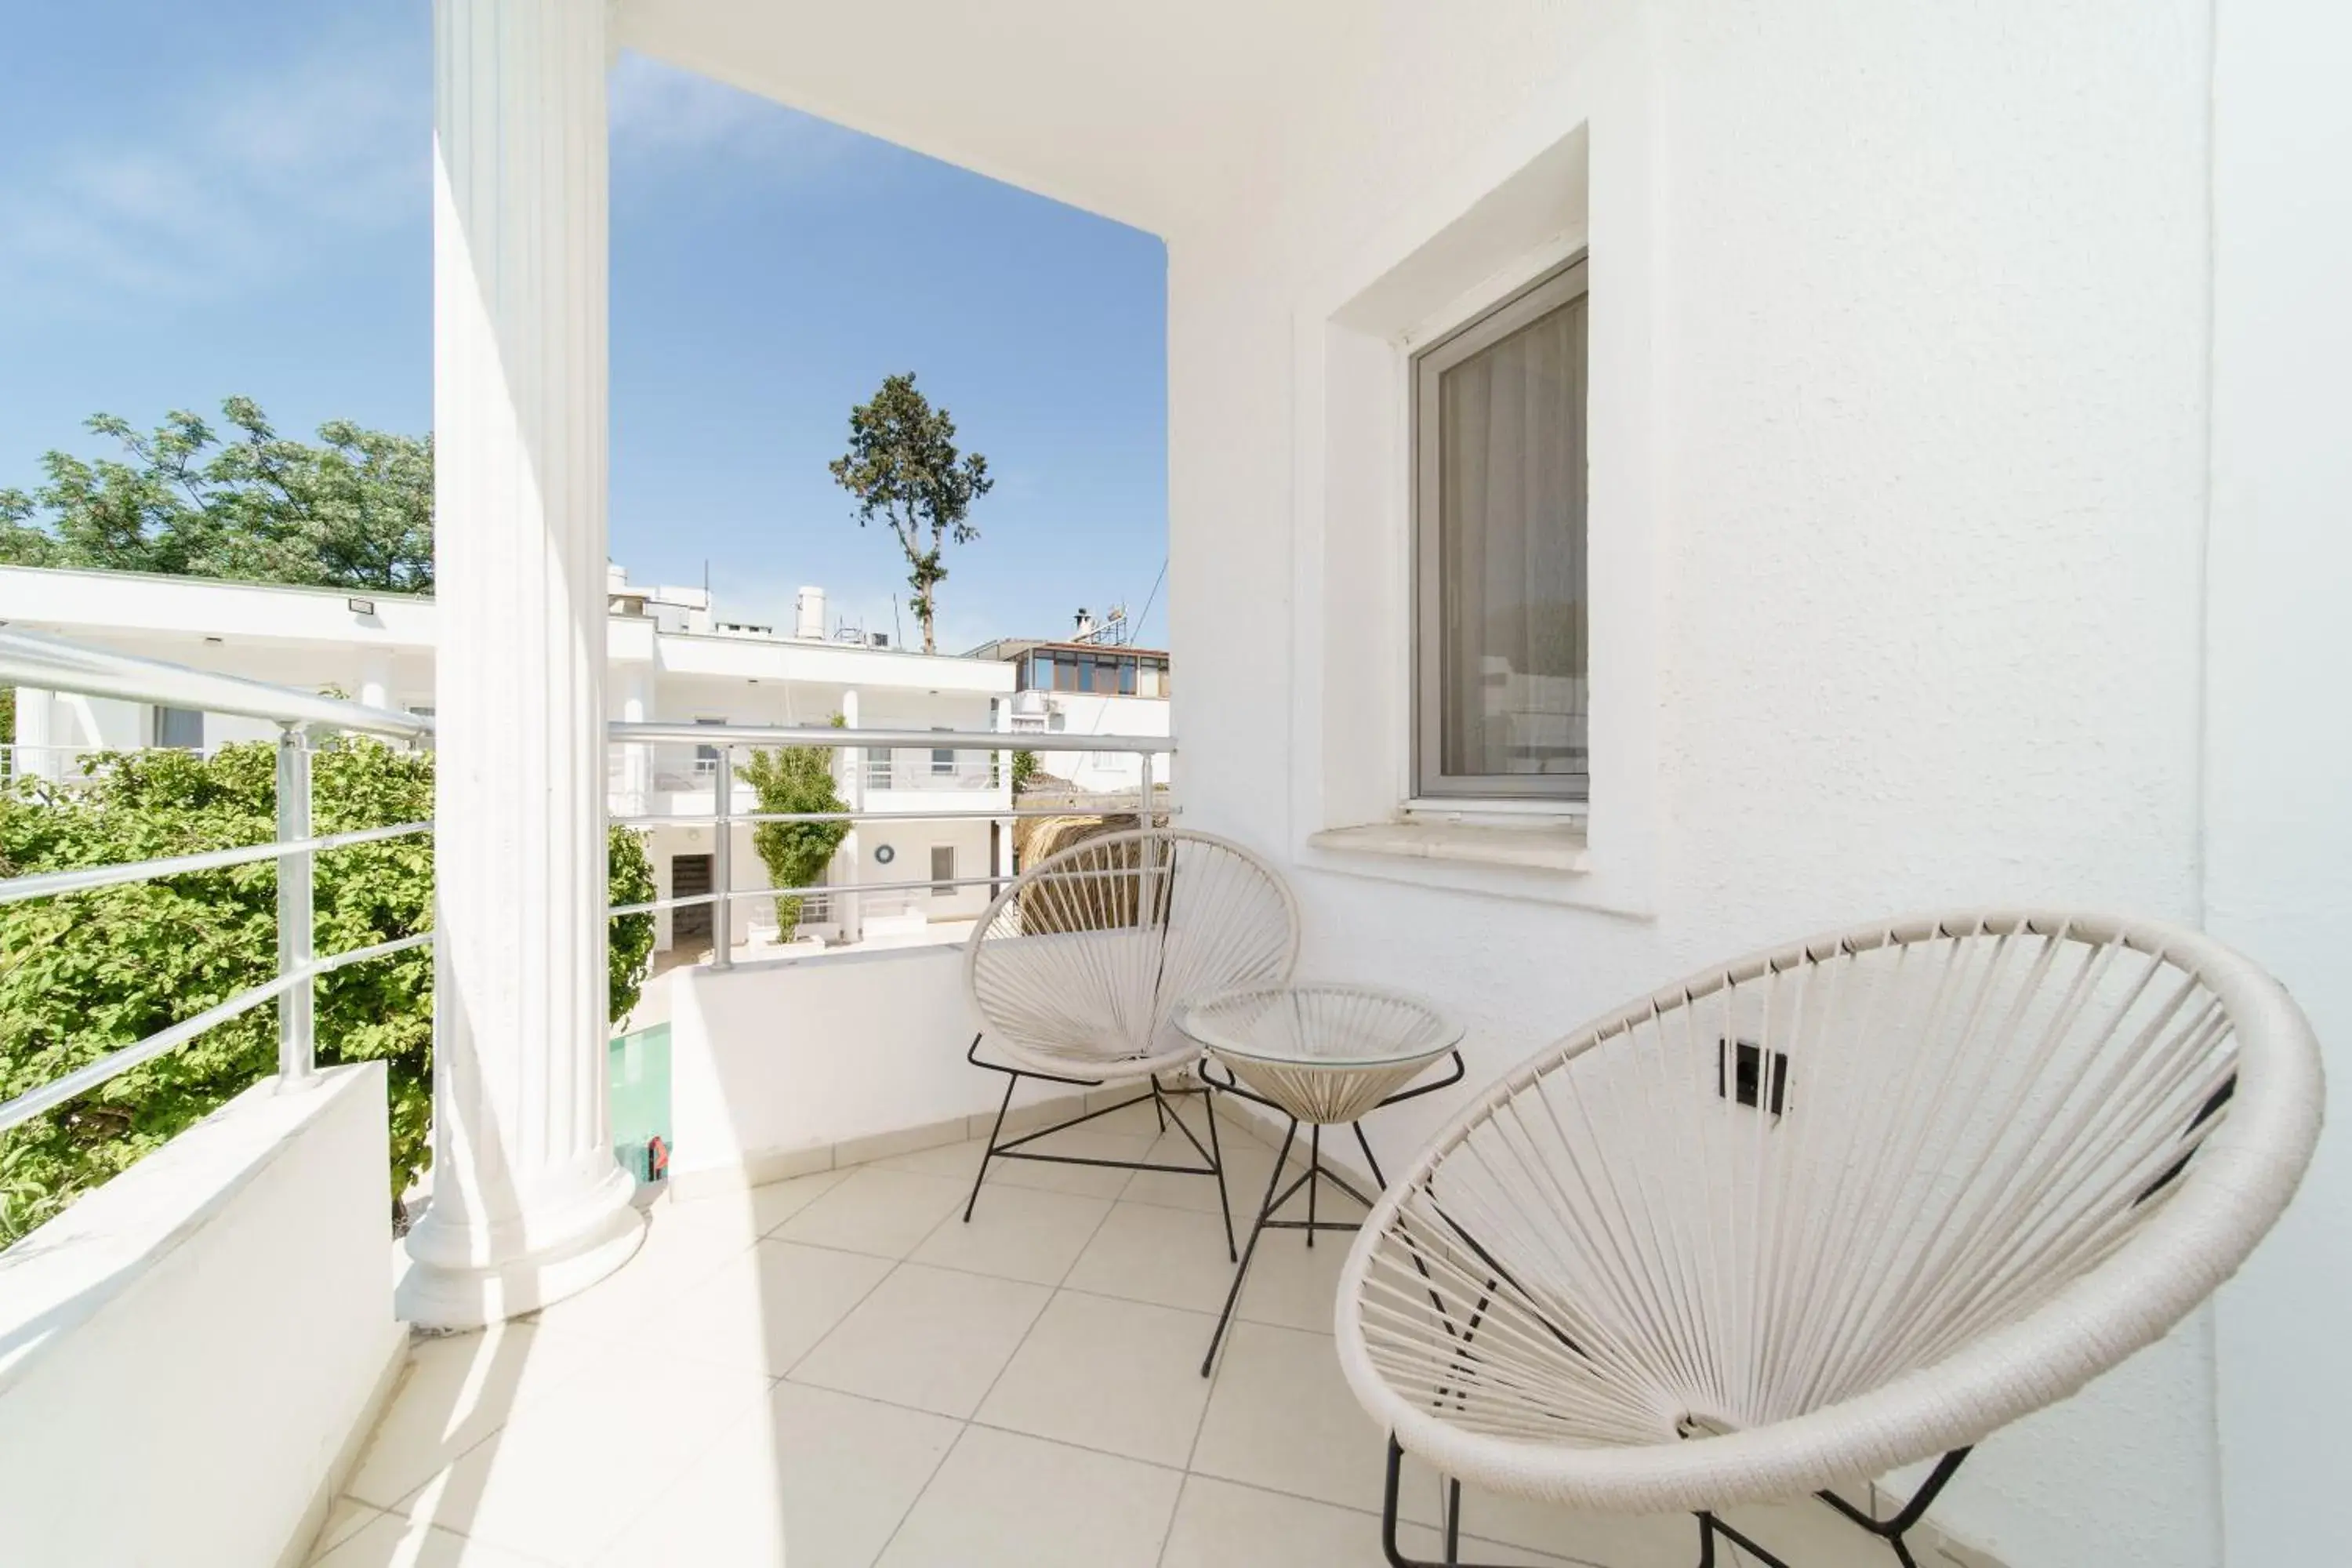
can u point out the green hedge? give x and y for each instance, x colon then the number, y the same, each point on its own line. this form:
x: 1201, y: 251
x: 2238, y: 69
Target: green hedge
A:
x: 90, y: 973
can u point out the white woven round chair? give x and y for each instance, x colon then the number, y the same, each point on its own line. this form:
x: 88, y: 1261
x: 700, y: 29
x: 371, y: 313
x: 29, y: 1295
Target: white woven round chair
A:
x: 1079, y: 967
x: 1829, y: 1210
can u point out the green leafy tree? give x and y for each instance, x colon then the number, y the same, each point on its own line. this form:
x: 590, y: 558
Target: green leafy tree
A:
x: 353, y: 510
x: 88, y: 973
x: 794, y: 779
x: 1025, y: 768
x: 903, y: 467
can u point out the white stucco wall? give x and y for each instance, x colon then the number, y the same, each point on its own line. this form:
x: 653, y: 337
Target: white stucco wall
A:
x: 1899, y: 324
x: 2278, y: 853
x: 770, y: 1060
x: 1061, y: 751
x: 206, y: 1333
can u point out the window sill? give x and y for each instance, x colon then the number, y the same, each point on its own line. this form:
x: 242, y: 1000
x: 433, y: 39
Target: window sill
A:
x: 1555, y: 846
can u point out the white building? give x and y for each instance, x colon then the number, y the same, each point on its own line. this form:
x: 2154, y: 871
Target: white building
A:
x: 1085, y: 686
x: 1957, y: 397
x: 668, y: 661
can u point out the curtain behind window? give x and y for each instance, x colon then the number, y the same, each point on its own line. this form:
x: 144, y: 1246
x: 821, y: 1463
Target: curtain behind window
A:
x: 1511, y: 552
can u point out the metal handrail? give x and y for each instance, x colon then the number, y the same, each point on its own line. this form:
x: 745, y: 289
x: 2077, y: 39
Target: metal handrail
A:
x: 633, y: 731
x: 32, y: 660
x: 81, y: 878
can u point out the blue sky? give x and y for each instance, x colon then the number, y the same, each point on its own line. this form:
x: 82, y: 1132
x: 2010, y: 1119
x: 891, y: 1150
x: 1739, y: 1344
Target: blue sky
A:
x: 201, y: 200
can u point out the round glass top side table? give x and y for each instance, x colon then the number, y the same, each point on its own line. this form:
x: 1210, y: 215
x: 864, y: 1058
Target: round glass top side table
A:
x: 1323, y: 1054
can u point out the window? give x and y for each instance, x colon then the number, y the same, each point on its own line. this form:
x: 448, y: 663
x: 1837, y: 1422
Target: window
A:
x: 1127, y: 677
x: 1069, y: 675
x: 706, y: 758
x: 943, y: 870
x: 180, y: 727
x: 942, y: 757
x: 1500, y: 698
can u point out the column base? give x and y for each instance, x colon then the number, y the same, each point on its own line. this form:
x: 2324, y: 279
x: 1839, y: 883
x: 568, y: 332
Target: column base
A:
x: 439, y: 1293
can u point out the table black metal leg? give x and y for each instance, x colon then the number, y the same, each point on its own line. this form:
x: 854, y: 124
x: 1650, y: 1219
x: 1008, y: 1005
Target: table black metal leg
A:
x: 1241, y: 1269
x: 1314, y: 1167
x: 1217, y: 1158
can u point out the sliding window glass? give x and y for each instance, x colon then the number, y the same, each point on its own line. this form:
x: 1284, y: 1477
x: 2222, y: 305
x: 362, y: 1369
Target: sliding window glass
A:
x: 1500, y: 692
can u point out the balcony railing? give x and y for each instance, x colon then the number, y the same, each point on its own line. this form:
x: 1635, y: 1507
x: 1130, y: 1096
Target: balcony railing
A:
x: 933, y: 768
x: 29, y: 660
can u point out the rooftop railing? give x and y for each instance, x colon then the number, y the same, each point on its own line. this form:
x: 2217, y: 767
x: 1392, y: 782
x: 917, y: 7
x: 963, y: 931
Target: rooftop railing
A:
x: 28, y: 658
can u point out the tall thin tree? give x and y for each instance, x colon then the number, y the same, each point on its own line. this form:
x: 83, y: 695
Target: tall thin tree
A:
x: 903, y: 467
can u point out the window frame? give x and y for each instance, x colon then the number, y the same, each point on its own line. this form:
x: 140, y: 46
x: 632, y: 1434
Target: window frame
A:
x: 706, y: 757
x: 1555, y: 289
x: 160, y: 723
x: 943, y: 887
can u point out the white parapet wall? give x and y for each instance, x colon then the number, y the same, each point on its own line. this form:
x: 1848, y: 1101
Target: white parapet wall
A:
x: 777, y: 1067
x: 190, y: 1355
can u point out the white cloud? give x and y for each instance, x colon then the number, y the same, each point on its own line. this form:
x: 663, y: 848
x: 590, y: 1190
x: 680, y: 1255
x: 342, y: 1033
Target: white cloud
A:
x: 226, y: 190
x: 244, y: 178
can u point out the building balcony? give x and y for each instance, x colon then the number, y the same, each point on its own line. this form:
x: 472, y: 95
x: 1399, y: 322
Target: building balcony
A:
x: 1962, y: 504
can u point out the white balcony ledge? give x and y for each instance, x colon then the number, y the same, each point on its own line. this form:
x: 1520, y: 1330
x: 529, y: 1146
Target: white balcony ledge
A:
x: 190, y: 1354
x: 1548, y: 847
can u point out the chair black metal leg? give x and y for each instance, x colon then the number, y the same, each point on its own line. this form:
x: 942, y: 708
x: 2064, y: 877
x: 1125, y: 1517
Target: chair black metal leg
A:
x: 1241, y: 1269
x: 1709, y: 1526
x: 1011, y: 1083
x: 1453, y: 1525
x: 1371, y: 1161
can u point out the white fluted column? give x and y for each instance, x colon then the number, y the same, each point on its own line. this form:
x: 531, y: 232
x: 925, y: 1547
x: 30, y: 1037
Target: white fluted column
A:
x: 638, y: 757
x: 375, y: 676
x: 34, y: 735
x: 528, y: 1203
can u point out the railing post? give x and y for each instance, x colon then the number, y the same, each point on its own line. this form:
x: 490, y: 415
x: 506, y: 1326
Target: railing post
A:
x: 722, y: 858
x: 296, y: 1016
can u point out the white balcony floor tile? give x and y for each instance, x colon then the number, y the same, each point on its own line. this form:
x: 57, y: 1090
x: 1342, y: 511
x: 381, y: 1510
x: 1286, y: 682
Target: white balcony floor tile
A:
x: 1282, y: 1418
x: 931, y: 1338
x: 1017, y: 1233
x: 1292, y: 1285
x: 1136, y: 1121
x: 767, y: 1308
x: 812, y: 1480
x: 457, y: 1391
x: 961, y: 1162
x: 1023, y: 1390
x: 884, y: 1213
x: 1248, y: 1163
x: 1171, y: 1257
x: 1220, y: 1524
x: 390, y: 1541
x: 562, y: 1476
x: 1120, y: 1377
x: 1003, y: 1500
x: 346, y: 1518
